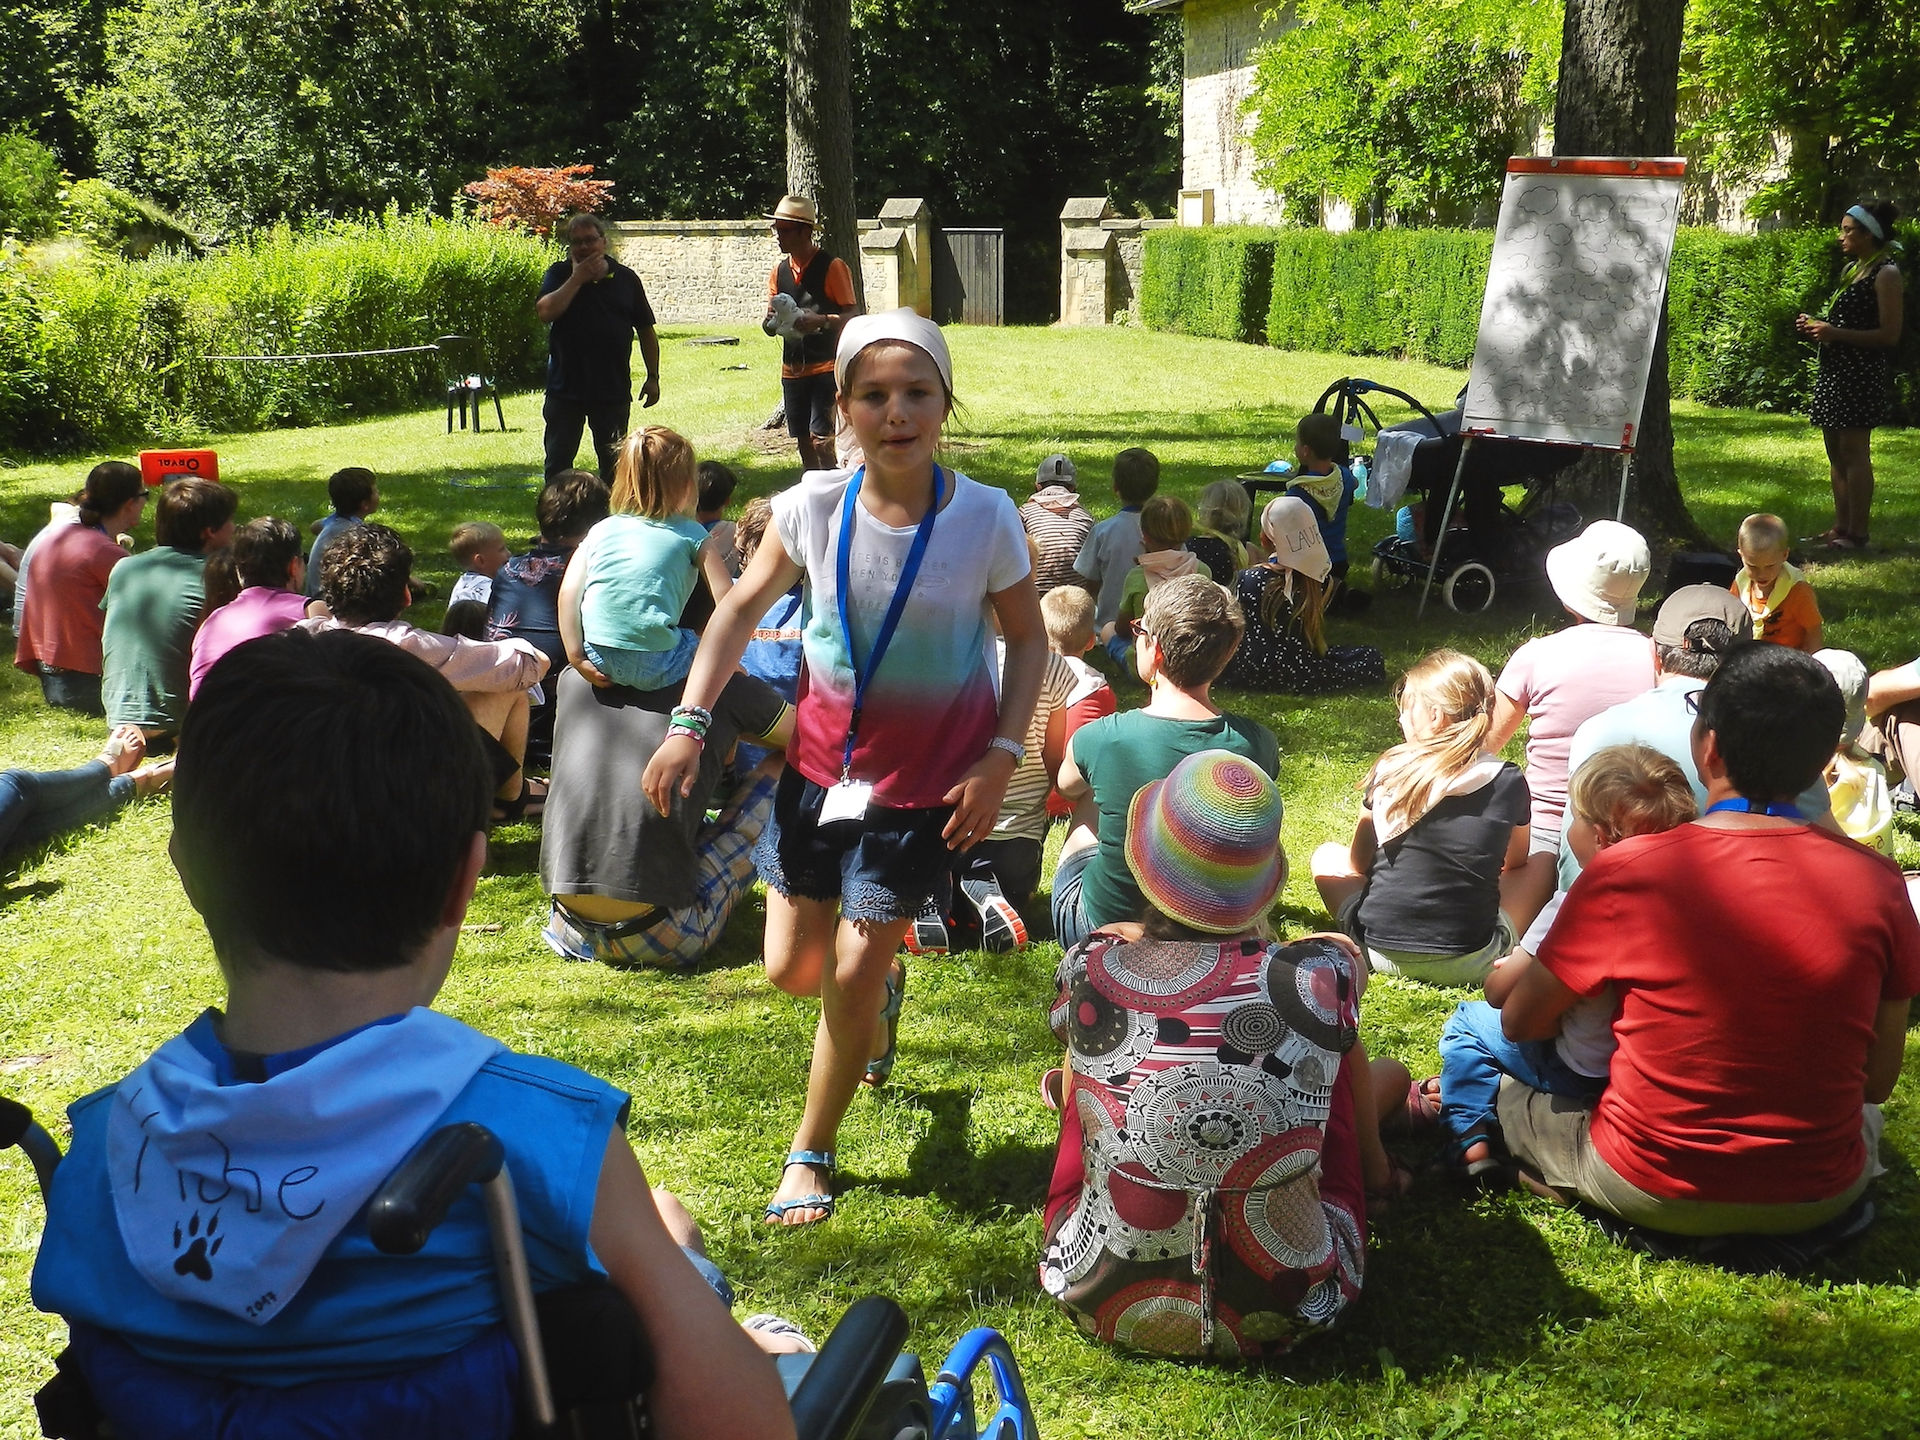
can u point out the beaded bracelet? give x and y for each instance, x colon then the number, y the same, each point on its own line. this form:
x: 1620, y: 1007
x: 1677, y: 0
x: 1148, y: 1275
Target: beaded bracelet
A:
x: 702, y: 716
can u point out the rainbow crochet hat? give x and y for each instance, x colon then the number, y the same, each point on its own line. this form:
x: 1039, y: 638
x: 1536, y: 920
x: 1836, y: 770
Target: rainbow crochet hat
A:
x: 1204, y: 843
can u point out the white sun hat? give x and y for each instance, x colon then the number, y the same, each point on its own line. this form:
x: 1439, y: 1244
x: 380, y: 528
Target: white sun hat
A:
x: 1599, y: 573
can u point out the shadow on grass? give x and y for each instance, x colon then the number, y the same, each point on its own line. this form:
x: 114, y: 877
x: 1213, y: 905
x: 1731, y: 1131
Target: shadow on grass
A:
x: 942, y: 1165
x: 11, y: 895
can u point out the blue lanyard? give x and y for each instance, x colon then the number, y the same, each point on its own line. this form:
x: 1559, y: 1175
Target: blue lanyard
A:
x: 1756, y: 807
x: 843, y: 581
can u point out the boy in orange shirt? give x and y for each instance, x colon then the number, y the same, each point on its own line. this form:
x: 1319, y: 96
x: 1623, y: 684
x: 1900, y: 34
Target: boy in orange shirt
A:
x: 1776, y: 594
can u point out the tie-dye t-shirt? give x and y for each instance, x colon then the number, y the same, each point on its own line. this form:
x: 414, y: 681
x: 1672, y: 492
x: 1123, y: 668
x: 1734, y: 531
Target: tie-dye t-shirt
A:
x: 933, y: 704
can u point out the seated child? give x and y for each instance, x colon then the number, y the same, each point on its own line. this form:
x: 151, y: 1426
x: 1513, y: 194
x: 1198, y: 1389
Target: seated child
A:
x: 717, y: 484
x: 1441, y: 821
x: 1196, y: 999
x: 1106, y: 559
x: 1776, y: 594
x: 1326, y: 482
x: 355, y: 494
x: 980, y: 905
x: 526, y: 592
x: 480, y: 549
x: 1189, y: 630
x: 1857, y: 791
x: 774, y: 653
x: 467, y: 619
x: 631, y: 578
x: 1285, y: 600
x: 1056, y: 521
x: 208, y: 1224
x: 1219, y: 529
x: 1067, y: 612
x: 364, y: 582
x: 273, y: 578
x: 1165, y: 524
x: 154, y: 604
x: 1623, y: 790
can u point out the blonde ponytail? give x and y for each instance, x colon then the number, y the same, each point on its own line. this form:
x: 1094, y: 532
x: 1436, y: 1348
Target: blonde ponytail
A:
x: 1280, y: 611
x: 1415, y: 775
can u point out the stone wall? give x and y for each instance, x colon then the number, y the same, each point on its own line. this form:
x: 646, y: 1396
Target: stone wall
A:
x: 714, y: 272
x: 1101, y: 256
x: 1221, y: 36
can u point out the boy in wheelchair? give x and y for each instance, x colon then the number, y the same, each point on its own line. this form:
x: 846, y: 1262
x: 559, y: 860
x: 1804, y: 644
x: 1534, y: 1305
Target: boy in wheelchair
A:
x: 206, y: 1236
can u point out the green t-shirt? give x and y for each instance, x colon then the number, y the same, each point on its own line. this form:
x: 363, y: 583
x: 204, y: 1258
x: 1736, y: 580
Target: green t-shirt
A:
x: 153, y: 606
x: 1118, y: 754
x: 640, y: 574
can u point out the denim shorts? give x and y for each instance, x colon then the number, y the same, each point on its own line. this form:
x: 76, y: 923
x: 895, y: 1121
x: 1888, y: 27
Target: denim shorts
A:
x: 646, y: 669
x: 882, y: 867
x: 1070, y: 924
x: 809, y: 401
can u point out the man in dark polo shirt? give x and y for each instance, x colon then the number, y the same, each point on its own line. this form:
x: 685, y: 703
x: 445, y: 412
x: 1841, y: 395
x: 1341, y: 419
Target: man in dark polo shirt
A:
x: 819, y: 297
x: 593, y: 306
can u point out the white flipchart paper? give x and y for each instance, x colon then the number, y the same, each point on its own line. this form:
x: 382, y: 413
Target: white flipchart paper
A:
x: 1572, y: 307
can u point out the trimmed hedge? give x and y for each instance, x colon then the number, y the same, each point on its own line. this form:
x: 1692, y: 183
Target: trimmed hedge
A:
x: 1212, y: 282
x: 105, y: 350
x: 1415, y: 294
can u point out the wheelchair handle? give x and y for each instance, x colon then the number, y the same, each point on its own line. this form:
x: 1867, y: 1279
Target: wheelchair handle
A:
x: 839, y: 1386
x: 17, y: 1127
x: 415, y: 1198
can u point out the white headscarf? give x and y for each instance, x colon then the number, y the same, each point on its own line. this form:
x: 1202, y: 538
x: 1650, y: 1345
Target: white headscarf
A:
x: 903, y: 325
x: 1288, y: 526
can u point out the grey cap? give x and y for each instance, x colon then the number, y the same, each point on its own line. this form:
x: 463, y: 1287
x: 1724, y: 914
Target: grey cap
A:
x: 1699, y: 602
x: 1056, y: 470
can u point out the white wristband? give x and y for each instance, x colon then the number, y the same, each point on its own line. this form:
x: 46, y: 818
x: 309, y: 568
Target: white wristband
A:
x: 1012, y: 747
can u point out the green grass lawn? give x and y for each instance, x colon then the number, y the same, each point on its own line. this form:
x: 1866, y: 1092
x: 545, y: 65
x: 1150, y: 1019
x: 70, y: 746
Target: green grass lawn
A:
x: 1482, y: 1317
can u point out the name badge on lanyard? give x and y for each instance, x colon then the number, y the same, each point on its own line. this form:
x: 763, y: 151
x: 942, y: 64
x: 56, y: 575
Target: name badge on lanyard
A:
x: 848, y: 799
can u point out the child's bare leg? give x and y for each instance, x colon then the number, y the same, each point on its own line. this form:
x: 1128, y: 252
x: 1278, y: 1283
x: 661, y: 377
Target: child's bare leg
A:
x: 504, y: 716
x: 1379, y: 1087
x: 798, y: 943
x: 852, y: 994
x: 1334, y: 876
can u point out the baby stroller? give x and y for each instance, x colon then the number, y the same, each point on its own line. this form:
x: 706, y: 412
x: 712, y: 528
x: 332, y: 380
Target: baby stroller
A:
x: 860, y: 1386
x: 1486, y: 542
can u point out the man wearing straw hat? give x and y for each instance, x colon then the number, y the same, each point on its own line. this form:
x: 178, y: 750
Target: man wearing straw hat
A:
x: 809, y: 296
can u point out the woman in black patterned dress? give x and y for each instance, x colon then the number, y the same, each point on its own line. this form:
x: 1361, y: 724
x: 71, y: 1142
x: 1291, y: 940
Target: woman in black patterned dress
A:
x: 1850, y: 393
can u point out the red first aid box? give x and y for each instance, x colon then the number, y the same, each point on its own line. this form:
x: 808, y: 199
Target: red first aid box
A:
x: 159, y: 466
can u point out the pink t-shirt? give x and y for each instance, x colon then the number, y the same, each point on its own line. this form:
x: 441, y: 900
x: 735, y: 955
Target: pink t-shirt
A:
x: 1561, y: 680
x: 258, y: 610
x: 61, y: 622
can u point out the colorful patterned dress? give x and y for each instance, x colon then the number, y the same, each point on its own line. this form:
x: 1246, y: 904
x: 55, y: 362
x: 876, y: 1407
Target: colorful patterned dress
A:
x: 1207, y: 1196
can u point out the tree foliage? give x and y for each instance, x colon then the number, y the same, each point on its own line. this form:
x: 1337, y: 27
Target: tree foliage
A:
x: 30, y: 185
x: 1813, y: 100
x: 1411, y: 106
x: 532, y: 198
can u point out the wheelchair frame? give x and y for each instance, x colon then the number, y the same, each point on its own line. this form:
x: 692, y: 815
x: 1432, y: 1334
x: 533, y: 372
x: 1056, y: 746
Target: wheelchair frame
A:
x: 832, y: 1393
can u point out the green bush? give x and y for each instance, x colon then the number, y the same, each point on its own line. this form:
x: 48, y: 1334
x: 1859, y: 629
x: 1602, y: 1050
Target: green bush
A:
x: 30, y: 183
x: 1415, y: 294
x: 123, y: 346
x: 1212, y: 282
x: 107, y: 216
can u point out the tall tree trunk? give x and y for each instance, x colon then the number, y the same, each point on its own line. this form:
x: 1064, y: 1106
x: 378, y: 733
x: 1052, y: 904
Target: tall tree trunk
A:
x: 1619, y: 89
x: 820, y: 121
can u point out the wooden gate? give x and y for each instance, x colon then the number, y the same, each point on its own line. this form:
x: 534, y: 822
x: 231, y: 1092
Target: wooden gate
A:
x: 970, y: 277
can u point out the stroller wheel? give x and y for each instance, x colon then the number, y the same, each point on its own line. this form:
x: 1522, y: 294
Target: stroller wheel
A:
x: 1469, y: 590
x: 1382, y: 576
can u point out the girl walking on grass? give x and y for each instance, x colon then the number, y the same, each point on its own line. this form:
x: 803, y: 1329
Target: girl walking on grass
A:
x: 901, y: 751
x: 630, y: 579
x: 1442, y: 827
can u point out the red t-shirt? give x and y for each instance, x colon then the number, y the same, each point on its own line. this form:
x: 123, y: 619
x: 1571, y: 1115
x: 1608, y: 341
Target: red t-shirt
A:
x: 1748, y: 965
x: 62, y: 621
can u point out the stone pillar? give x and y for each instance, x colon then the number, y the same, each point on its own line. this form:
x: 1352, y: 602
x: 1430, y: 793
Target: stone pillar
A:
x: 1086, y: 262
x: 913, y: 220
x: 883, y: 266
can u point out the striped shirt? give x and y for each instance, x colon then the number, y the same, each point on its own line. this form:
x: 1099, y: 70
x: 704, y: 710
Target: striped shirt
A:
x: 1023, y: 814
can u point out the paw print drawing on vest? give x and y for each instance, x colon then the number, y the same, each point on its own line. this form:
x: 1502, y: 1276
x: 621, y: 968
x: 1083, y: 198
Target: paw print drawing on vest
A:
x: 198, y: 1259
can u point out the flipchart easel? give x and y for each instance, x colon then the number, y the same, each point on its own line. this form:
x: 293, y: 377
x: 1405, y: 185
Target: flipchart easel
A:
x: 1575, y: 290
